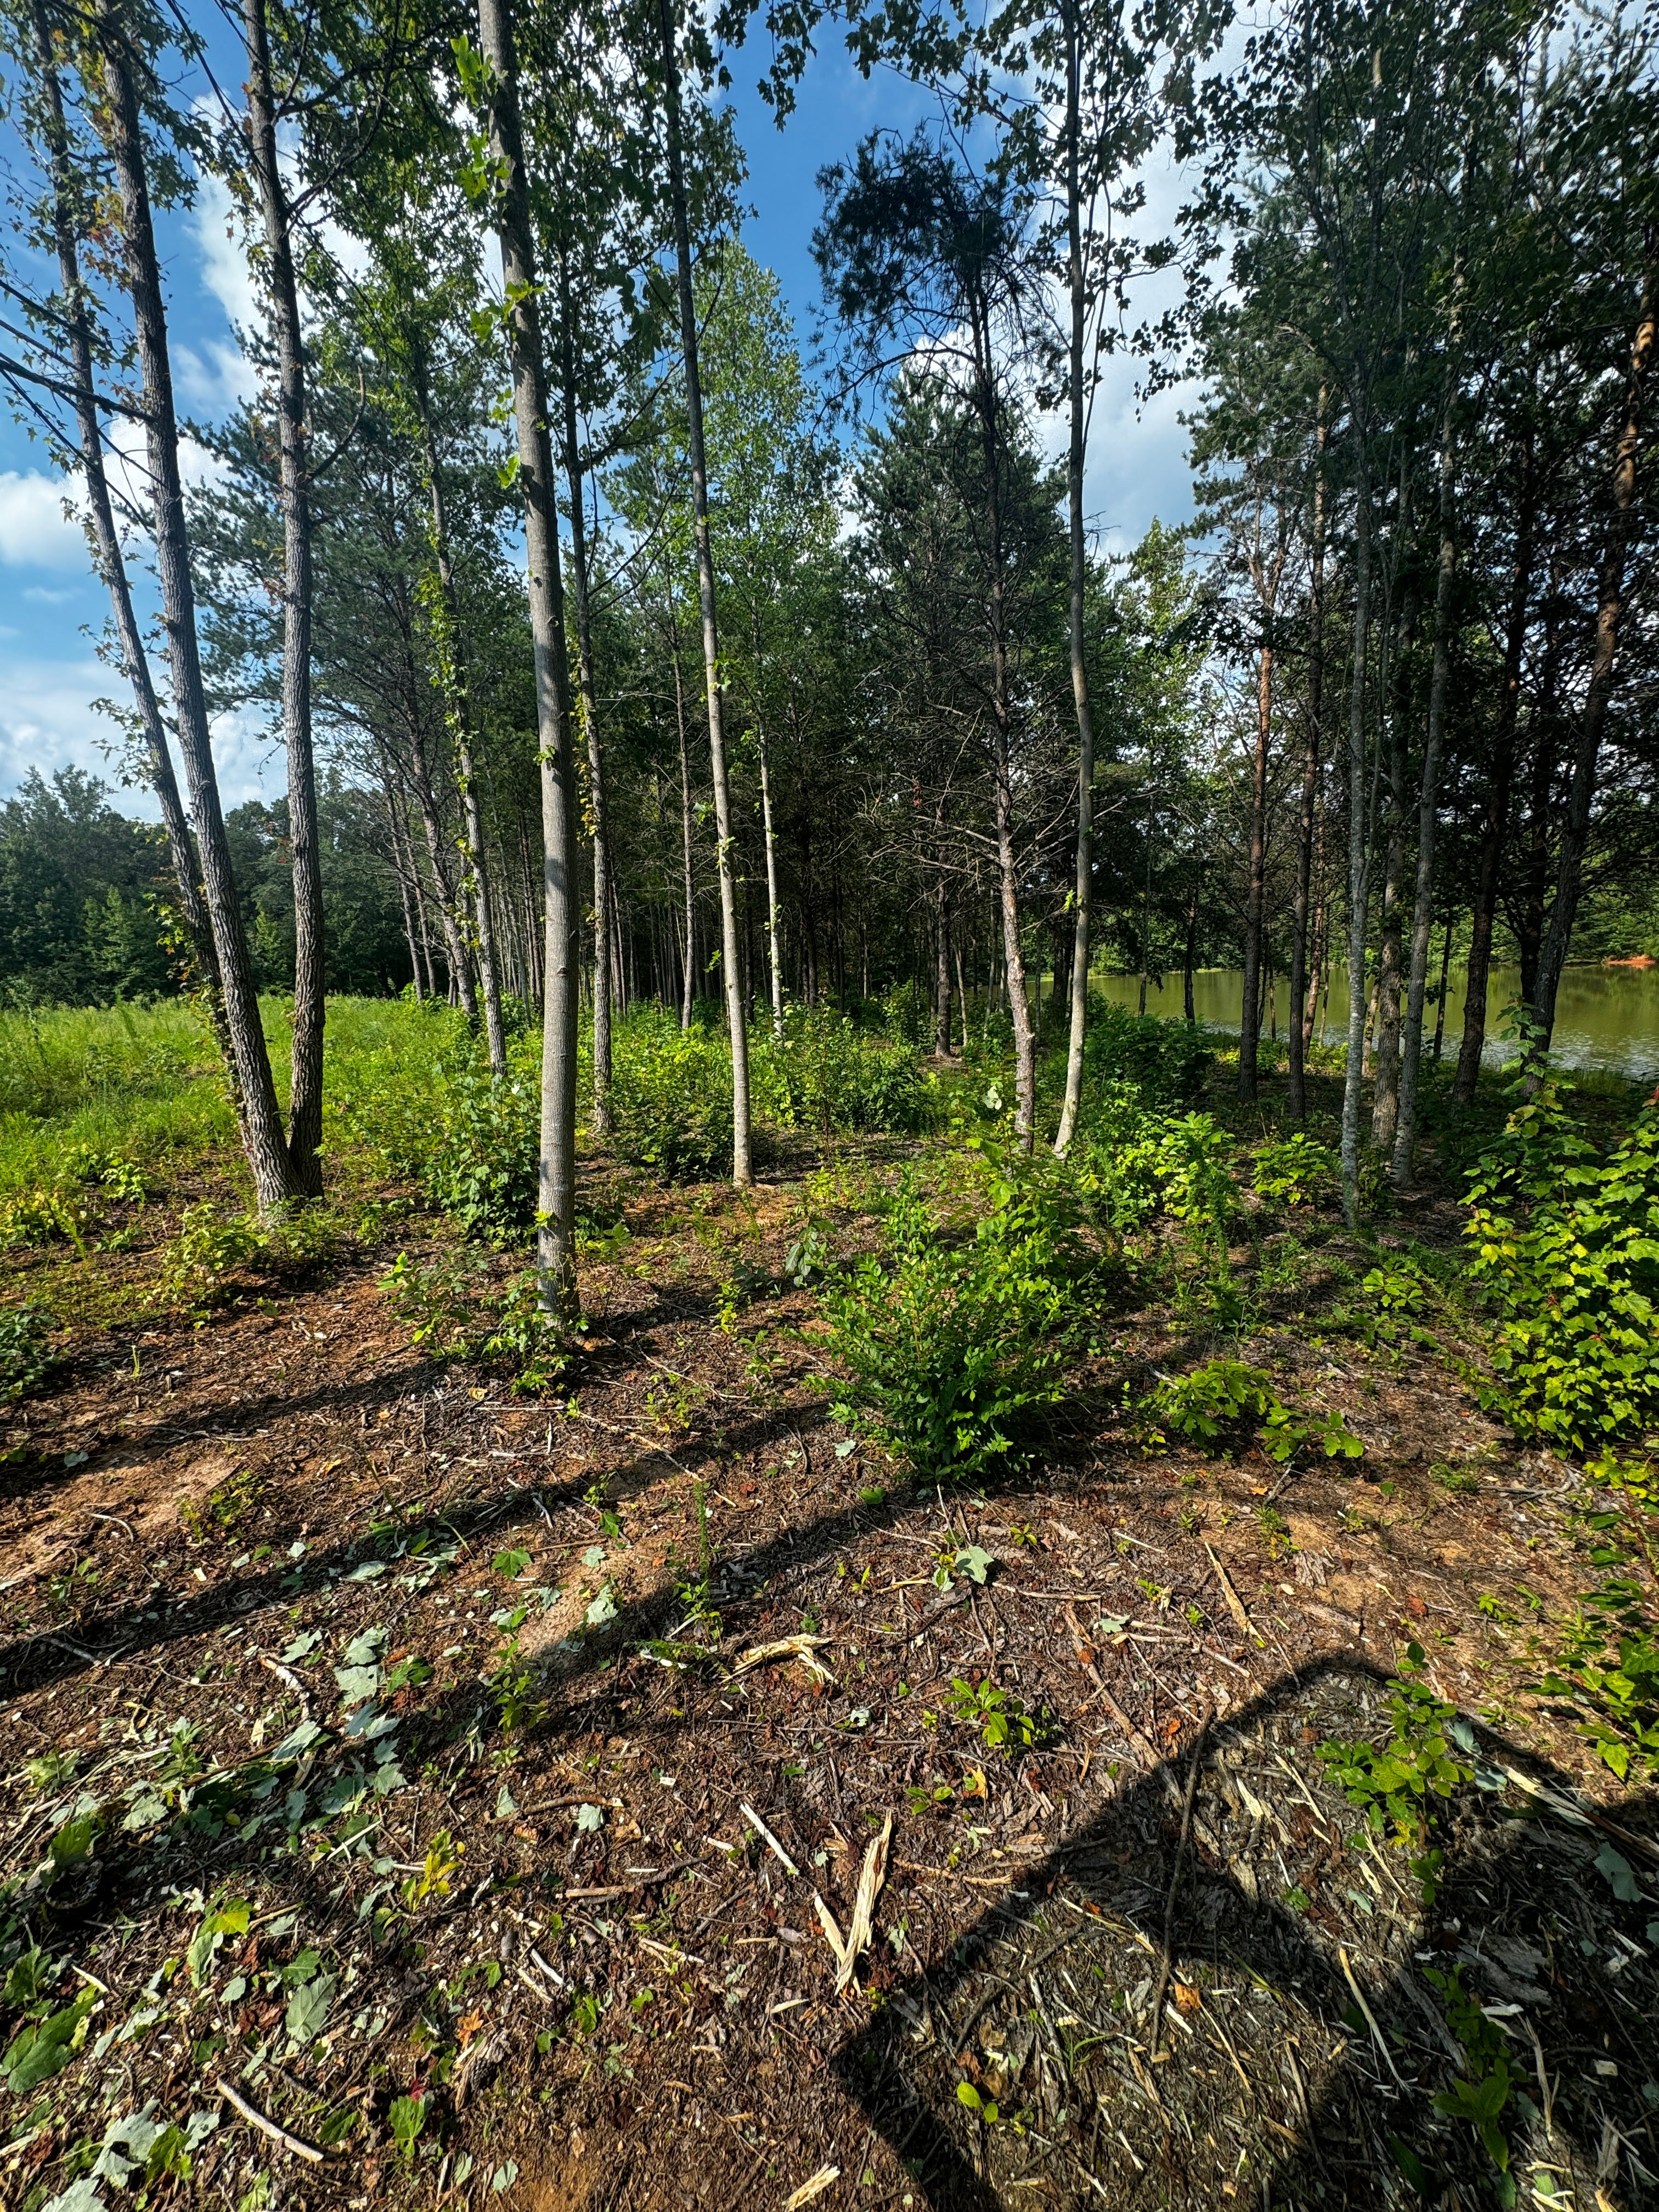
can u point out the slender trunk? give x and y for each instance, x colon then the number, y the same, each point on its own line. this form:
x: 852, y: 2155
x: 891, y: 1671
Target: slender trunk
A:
x: 742, y: 1169
x: 588, y: 693
x: 1189, y: 960
x: 1358, y: 869
x: 112, y: 562
x: 941, y: 974
x: 1440, y: 995
x: 400, y: 870
x: 685, y: 825
x: 1249, y: 1011
x: 985, y: 400
x: 1610, y: 598
x: 1500, y: 784
x: 1312, y: 744
x: 457, y: 705
x: 1385, y: 1098
x: 1405, y: 1141
x: 445, y: 889
x: 961, y: 988
x: 1082, y: 894
x: 304, y: 1105
x: 556, y: 1207
x: 262, y: 1122
x: 770, y: 836
x: 1146, y: 905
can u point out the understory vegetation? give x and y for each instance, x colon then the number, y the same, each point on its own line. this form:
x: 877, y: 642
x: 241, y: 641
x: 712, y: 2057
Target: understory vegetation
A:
x: 965, y: 1318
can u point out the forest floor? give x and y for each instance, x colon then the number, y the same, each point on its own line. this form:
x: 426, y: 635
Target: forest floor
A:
x: 355, y: 1739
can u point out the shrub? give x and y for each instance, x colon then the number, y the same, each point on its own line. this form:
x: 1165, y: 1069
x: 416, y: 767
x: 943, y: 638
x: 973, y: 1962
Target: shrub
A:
x: 826, y: 1073
x: 198, y: 1265
x: 1566, y: 1256
x: 1166, y: 1061
x: 25, y: 1360
x: 1225, y: 1396
x: 671, y: 1097
x: 483, y: 1169
x: 952, y: 1347
x: 1297, y: 1170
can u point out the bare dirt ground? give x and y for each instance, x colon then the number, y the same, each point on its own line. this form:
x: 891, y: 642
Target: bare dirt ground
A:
x: 541, y: 1927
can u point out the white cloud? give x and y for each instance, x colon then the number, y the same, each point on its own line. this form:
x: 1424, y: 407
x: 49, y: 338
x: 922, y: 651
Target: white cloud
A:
x: 46, y: 718
x: 35, y: 531
x: 48, y: 721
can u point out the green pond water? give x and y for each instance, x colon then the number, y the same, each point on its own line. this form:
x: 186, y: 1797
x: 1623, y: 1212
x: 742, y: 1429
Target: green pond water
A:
x: 1606, y: 1017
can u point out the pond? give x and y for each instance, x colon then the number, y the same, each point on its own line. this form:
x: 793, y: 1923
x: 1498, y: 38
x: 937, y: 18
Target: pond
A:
x: 1606, y: 1017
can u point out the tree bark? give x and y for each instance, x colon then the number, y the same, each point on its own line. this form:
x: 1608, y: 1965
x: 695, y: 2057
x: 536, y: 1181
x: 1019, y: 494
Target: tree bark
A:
x: 685, y: 816
x: 1082, y: 893
x: 557, y: 1209
x: 1385, y: 1097
x: 1249, y: 1011
x: 742, y: 1168
x: 262, y: 1123
x: 1500, y: 785
x: 304, y: 1105
x: 1610, y: 598
x: 1359, y: 868
x: 466, y: 777
x: 590, y: 704
x: 1403, y: 1164
x: 112, y: 563
x: 1312, y: 747
x: 772, y: 946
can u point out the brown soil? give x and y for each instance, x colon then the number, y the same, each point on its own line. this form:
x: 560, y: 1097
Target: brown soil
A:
x: 642, y: 2013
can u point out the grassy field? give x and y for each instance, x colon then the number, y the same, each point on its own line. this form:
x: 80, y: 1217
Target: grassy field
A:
x: 1210, y: 1652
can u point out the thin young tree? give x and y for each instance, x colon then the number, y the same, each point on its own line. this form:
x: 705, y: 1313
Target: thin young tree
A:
x: 494, y: 87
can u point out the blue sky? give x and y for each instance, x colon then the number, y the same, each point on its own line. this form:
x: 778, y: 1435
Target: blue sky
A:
x: 50, y: 677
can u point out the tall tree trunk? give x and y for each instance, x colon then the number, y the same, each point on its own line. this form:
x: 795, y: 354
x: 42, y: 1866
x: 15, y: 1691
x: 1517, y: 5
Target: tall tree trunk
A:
x: 941, y: 973
x: 685, y: 822
x: 1405, y: 1138
x: 556, y: 1207
x: 111, y: 561
x: 1358, y: 861
x: 1002, y: 783
x: 590, y: 704
x: 770, y: 835
x: 742, y: 1169
x: 445, y: 889
x: 1610, y: 600
x: 459, y: 705
x: 304, y: 1105
x: 1385, y: 1098
x: 1312, y: 746
x: 1250, y: 1012
x: 1077, y: 409
x: 1500, y: 783
x: 262, y: 1123
x: 1189, y: 961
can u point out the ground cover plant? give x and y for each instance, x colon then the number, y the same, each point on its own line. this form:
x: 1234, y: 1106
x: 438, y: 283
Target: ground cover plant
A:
x: 1119, y: 1577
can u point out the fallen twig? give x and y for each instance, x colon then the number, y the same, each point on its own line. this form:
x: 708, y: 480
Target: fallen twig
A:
x: 769, y: 1838
x: 257, y: 2119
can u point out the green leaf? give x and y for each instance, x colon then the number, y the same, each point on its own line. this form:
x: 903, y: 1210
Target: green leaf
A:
x: 38, y: 2052
x: 308, y: 2008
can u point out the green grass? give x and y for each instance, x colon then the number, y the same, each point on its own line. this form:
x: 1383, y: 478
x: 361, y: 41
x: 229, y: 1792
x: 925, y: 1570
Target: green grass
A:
x: 146, y: 1081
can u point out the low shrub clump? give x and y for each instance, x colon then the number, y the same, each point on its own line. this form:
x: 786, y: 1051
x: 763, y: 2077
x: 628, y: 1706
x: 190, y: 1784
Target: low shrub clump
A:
x: 26, y: 1359
x: 671, y: 1097
x: 1167, y: 1062
x: 826, y: 1073
x: 953, y: 1345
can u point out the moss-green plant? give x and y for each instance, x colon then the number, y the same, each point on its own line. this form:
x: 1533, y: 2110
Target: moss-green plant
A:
x: 26, y: 1359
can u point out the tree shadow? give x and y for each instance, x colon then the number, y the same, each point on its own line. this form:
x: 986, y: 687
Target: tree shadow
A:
x: 1336, y: 2104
